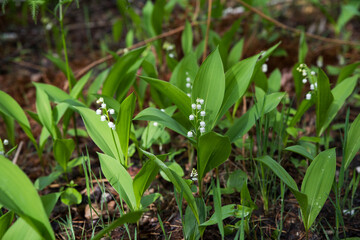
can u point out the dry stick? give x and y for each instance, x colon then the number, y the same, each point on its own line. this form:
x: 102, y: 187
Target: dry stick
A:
x: 84, y: 70
x: 310, y: 35
x: 17, y: 152
x: 207, y: 29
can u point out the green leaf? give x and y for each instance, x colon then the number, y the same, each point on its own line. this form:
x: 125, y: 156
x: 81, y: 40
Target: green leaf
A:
x: 18, y: 194
x: 213, y: 150
x: 288, y: 180
x: 71, y: 196
x: 149, y: 199
x: 226, y: 41
x: 123, y: 122
x: 62, y: 66
x: 352, y: 142
x: 243, y: 124
x: 158, y: 15
x: 178, y: 97
x: 119, y: 178
x: 187, y: 65
x: 323, y: 101
x: 44, y: 181
x: 303, y: 48
x: 131, y: 217
x: 143, y: 179
x: 77, y: 89
x: 348, y: 11
x: 274, y: 82
x: 118, y: 72
x: 179, y: 183
x: 209, y: 84
x: 340, y: 93
x: 175, y: 167
x: 237, y: 81
x: 187, y: 39
x: 230, y: 210
x: 95, y: 86
x: 235, y: 54
x: 304, y: 106
x: 63, y: 149
x: 347, y: 71
x: 236, y: 180
x: 5, y: 222
x: 317, y: 183
x: 300, y: 150
x: 11, y: 108
x: 153, y: 114
x: 22, y: 230
x: 101, y: 134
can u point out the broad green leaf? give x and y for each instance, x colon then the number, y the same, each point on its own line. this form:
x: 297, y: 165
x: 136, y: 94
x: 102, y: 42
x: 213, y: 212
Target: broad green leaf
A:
x: 235, y: 54
x: 213, y: 150
x: 95, y: 86
x: 175, y: 167
x: 11, y: 108
x: 179, y: 183
x: 304, y: 106
x: 119, y: 178
x: 18, y: 194
x: 118, y: 72
x: 187, y: 65
x: 178, y: 97
x: 352, y: 142
x: 209, y: 84
x: 149, y: 199
x: 143, y: 179
x: 274, y: 82
x: 77, y: 89
x: 317, y: 183
x: 237, y: 81
x: 123, y: 123
x: 230, y: 210
x: 288, y: 180
x: 5, y: 222
x: 71, y: 196
x: 340, y: 93
x: 236, y: 180
x: 62, y: 66
x: 303, y: 48
x: 187, y: 39
x: 153, y: 114
x: 63, y: 149
x: 300, y: 150
x: 243, y: 124
x: 226, y: 41
x: 22, y: 230
x: 10, y: 127
x: 158, y: 15
x: 323, y: 101
x: 347, y: 71
x: 348, y: 11
x: 101, y: 134
x: 131, y: 217
x: 44, y: 181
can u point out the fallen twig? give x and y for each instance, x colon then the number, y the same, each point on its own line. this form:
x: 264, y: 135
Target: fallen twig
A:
x: 310, y: 35
x: 17, y: 152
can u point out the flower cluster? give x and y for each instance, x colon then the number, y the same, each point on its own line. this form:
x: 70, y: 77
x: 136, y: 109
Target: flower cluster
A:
x: 197, y: 117
x: 194, y: 175
x: 188, y: 84
x: 309, y: 76
x: 170, y: 49
x: 105, y: 113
